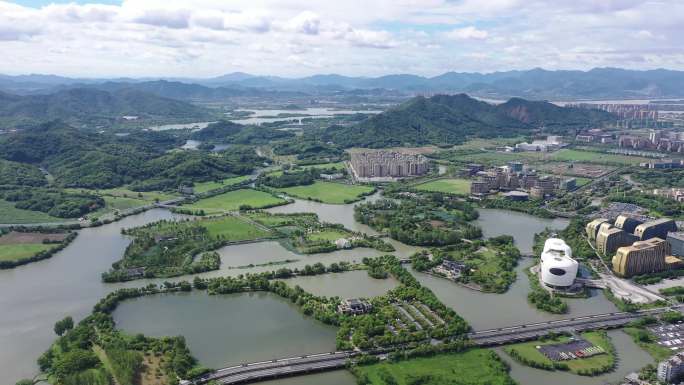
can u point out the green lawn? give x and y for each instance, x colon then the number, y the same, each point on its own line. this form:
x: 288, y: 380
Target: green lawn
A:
x: 567, y: 154
x: 327, y: 192
x: 529, y: 351
x: 474, y: 367
x: 232, y: 200
x: 13, y: 252
x: 208, y: 186
x: 451, y: 186
x: 233, y: 229
x: 11, y: 214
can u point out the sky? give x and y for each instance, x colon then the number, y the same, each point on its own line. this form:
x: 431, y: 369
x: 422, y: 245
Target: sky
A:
x: 293, y: 38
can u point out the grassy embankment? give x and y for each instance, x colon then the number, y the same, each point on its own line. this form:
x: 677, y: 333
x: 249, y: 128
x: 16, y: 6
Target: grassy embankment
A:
x: 328, y: 192
x: 11, y: 214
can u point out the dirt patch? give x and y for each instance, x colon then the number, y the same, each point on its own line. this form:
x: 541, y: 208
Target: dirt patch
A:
x: 16, y: 237
x: 578, y: 169
x: 152, y: 373
x: 437, y: 224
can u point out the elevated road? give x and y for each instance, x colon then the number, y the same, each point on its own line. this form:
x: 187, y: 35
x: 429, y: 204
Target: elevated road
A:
x: 293, y: 366
x: 513, y: 334
x: 260, y: 371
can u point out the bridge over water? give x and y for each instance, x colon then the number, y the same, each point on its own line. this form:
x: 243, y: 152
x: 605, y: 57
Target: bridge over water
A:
x: 293, y: 366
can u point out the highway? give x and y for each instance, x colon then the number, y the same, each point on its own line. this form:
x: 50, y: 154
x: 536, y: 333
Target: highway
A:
x: 259, y: 371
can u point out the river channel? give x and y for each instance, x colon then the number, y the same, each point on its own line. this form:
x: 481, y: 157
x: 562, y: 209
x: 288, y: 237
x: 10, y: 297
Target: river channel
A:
x: 36, y: 295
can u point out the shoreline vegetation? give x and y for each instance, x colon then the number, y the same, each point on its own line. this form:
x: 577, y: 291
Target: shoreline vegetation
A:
x: 21, y: 246
x: 527, y: 354
x: 170, y: 248
x: 97, y: 330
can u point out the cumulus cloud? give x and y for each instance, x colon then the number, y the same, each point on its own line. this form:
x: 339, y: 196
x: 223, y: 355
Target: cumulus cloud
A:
x: 369, y: 37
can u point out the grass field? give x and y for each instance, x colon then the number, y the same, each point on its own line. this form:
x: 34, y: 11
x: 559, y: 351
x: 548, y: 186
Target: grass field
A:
x: 233, y: 229
x: 208, y: 186
x: 474, y: 367
x: 327, y: 192
x: 451, y: 186
x: 567, y: 154
x: 529, y: 351
x: 11, y: 214
x: 13, y: 252
x: 232, y: 200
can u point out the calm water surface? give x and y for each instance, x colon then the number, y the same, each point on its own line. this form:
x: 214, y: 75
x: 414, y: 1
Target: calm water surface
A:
x: 351, y: 284
x: 223, y: 330
x: 522, y: 227
x: 36, y: 295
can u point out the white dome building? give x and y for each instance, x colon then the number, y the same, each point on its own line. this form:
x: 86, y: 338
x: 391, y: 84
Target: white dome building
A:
x: 558, y: 269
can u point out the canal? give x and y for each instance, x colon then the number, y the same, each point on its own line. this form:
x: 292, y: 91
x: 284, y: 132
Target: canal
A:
x: 38, y: 294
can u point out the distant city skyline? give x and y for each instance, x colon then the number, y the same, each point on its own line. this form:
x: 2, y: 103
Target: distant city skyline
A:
x: 294, y: 38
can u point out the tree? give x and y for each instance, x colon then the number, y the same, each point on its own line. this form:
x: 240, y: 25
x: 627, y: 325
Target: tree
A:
x: 64, y: 325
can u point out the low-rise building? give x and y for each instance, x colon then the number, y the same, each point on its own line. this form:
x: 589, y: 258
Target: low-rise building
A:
x: 592, y: 228
x: 627, y: 222
x: 671, y: 370
x: 609, y: 239
x: 451, y: 269
x: 657, y: 228
x: 337, y: 175
x: 479, y: 188
x: 641, y: 257
x: 354, y: 306
x: 343, y: 243
x: 676, y: 241
x: 517, y: 196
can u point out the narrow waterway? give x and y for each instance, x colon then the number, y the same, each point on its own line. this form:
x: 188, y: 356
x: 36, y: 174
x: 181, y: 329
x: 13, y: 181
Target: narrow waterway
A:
x: 36, y: 295
x: 343, y: 214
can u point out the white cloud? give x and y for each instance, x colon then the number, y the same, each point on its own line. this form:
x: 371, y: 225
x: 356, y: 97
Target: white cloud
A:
x: 467, y: 33
x: 369, y: 37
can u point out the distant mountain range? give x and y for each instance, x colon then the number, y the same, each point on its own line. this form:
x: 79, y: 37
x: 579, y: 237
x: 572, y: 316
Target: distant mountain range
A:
x: 445, y: 120
x: 88, y: 105
x: 538, y: 84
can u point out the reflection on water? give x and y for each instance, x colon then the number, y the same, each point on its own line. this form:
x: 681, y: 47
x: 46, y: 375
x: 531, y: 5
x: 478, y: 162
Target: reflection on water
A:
x: 230, y: 329
x: 351, y: 284
x: 522, y: 227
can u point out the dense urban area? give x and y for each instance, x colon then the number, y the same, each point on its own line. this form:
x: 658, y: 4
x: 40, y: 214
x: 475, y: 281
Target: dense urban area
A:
x: 163, y: 232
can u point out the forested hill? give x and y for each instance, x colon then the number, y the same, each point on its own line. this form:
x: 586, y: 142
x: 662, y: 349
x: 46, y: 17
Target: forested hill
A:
x: 451, y: 119
x: 87, y: 105
x: 142, y: 160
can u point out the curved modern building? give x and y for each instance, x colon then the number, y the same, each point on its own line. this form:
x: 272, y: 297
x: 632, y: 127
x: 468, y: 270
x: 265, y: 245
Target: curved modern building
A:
x: 558, y: 268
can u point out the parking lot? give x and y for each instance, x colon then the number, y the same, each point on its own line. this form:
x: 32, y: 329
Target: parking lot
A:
x: 669, y: 336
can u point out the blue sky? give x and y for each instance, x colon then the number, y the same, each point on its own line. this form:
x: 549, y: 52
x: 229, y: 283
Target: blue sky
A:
x: 351, y: 37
